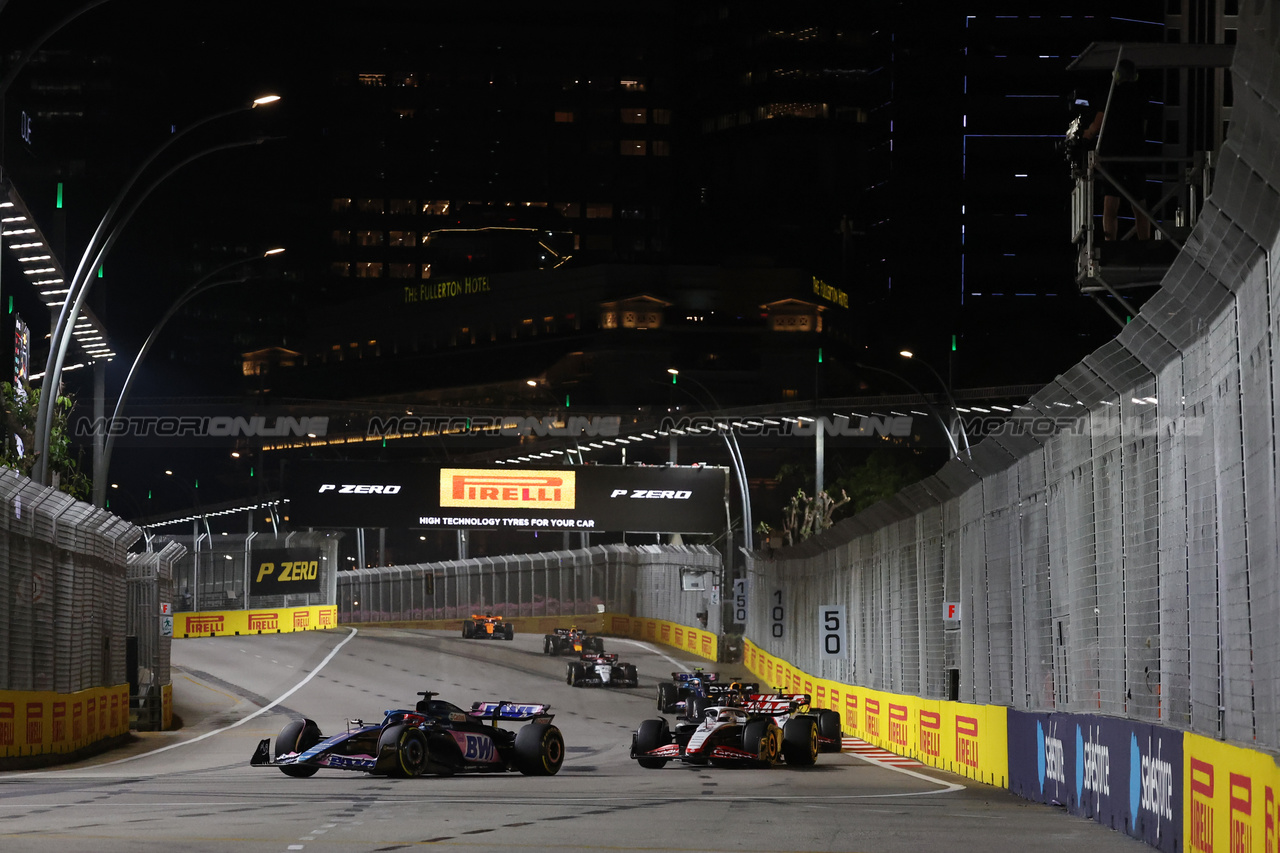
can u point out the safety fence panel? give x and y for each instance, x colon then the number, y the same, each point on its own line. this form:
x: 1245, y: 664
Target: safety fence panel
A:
x: 222, y: 572
x: 673, y: 582
x: 62, y: 590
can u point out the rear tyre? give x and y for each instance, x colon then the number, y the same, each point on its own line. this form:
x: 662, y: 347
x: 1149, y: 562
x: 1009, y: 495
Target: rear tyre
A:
x: 297, y: 736
x: 571, y: 675
x: 509, y: 632
x: 539, y: 750
x: 800, y: 741
x: 410, y: 746
x: 651, y: 735
x: 468, y: 630
x: 630, y: 673
x: 597, y: 643
x: 668, y: 696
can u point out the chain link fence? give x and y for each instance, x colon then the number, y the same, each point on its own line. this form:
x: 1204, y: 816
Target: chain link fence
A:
x: 1114, y: 550
x: 214, y: 573
x: 150, y: 586
x: 633, y: 580
x: 62, y: 590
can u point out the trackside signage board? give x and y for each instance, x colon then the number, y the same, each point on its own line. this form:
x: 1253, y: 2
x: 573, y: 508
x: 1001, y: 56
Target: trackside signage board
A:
x: 280, y: 571
x: 659, y: 499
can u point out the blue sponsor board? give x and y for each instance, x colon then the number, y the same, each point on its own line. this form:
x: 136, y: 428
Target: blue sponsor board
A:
x: 1124, y: 774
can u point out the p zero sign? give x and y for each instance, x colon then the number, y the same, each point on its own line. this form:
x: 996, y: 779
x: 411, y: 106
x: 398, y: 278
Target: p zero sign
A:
x: 658, y: 499
x: 284, y: 571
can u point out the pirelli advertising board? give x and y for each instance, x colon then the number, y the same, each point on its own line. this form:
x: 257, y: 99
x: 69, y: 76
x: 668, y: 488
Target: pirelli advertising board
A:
x: 279, y: 571
x: 659, y: 499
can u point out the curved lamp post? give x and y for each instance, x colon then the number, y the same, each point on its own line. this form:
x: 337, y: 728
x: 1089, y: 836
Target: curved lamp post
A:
x: 204, y: 284
x: 102, y: 241
x: 908, y: 354
x: 946, y: 429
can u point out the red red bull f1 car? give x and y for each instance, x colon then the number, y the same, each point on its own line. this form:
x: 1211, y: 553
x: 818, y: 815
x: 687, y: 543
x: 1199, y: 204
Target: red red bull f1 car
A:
x: 436, y: 737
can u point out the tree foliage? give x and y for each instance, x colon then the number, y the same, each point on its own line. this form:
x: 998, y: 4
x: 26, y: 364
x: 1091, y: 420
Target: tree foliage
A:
x: 18, y: 420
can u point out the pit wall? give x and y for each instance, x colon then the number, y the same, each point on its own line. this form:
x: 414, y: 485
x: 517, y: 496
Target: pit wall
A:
x: 1173, y: 790
x: 38, y: 722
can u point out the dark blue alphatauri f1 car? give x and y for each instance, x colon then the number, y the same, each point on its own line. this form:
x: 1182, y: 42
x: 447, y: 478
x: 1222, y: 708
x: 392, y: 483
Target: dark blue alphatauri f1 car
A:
x: 435, y: 737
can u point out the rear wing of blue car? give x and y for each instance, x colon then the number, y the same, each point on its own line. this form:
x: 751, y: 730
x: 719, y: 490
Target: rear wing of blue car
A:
x: 708, y: 677
x: 512, y: 711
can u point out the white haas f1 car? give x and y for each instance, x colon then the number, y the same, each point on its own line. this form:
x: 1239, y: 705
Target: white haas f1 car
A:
x: 601, y: 670
x: 761, y: 731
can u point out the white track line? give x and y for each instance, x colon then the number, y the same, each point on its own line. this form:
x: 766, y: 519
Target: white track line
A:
x: 240, y: 722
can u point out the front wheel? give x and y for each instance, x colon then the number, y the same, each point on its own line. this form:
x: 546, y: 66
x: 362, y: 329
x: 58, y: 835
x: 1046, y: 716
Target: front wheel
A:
x: 297, y: 737
x: 651, y: 735
x: 800, y: 741
x: 760, y: 738
x: 468, y: 630
x: 509, y: 632
x: 668, y: 696
x: 539, y: 750
x: 571, y: 675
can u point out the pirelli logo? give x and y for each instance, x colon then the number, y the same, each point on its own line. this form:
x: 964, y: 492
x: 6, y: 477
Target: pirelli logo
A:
x: 470, y: 487
x: 204, y: 624
x: 264, y: 621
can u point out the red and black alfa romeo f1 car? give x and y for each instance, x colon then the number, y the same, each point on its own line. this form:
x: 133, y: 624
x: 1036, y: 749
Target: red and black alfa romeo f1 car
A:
x: 435, y: 737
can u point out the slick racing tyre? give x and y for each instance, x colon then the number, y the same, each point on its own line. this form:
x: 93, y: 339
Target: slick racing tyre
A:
x: 760, y: 738
x: 468, y: 630
x: 695, y: 707
x: 509, y: 632
x: 573, y: 675
x: 597, y: 644
x: 668, y: 696
x: 539, y: 750
x: 800, y: 741
x: 409, y: 751
x: 297, y: 736
x: 829, y: 727
x: 651, y: 735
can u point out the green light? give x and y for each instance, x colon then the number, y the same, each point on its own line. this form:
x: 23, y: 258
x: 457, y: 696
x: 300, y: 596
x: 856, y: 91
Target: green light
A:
x: 953, y: 343
x: 250, y: 470
x: 566, y: 401
x: 197, y: 484
x: 59, y: 195
x: 819, y: 355
x: 384, y: 441
x: 10, y: 304
x: 108, y: 503
x: 99, y: 272
x: 673, y: 378
x: 148, y: 494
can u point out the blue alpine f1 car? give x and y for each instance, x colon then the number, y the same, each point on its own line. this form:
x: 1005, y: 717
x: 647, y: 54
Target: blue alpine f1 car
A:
x: 436, y: 737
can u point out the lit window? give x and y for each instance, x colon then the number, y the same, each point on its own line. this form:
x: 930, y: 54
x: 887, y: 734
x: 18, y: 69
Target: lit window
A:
x: 632, y: 85
x: 370, y: 205
x: 635, y: 116
x: 369, y: 238
x: 564, y: 117
x: 340, y: 204
x: 402, y: 238
x: 435, y: 208
x: 341, y: 269
x: 568, y: 209
x: 633, y: 147
x: 372, y: 79
x: 402, y: 205
x: 401, y: 270
x: 341, y: 238
x: 426, y: 270
x: 368, y: 269
x: 404, y: 112
x: 597, y: 210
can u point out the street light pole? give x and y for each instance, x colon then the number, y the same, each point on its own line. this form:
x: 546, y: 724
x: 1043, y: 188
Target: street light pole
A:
x: 946, y: 429
x: 102, y: 468
x: 946, y: 389
x: 91, y: 260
